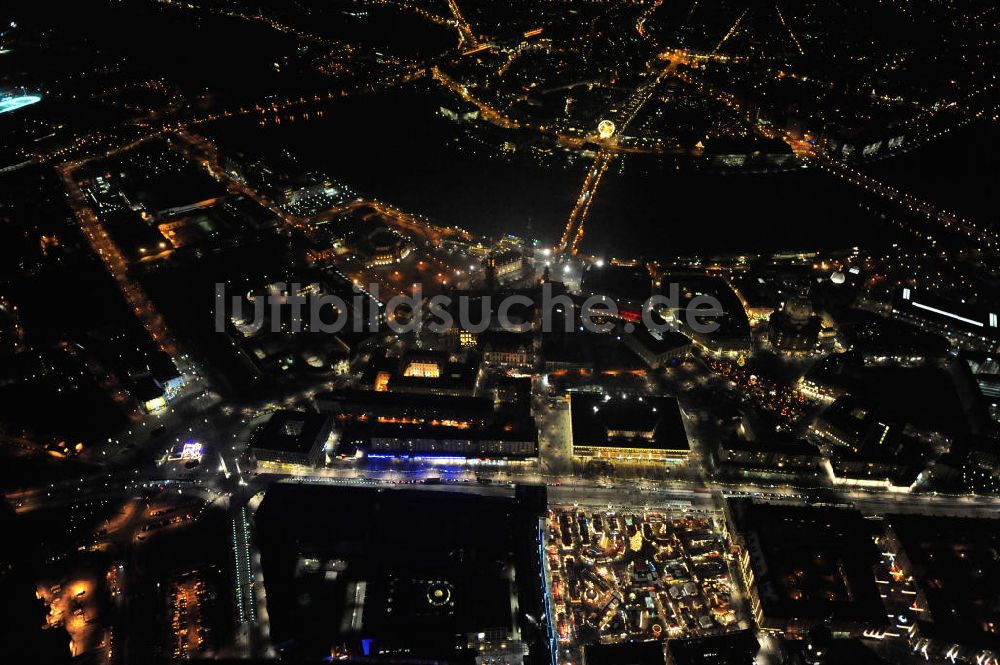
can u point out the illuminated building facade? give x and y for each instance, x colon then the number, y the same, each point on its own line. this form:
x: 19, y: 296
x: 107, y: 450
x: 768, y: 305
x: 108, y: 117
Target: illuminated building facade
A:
x: 291, y: 440
x: 794, y: 327
x: 383, y: 247
x: 384, y: 424
x: 448, y: 442
x: 864, y: 449
x: 963, y: 324
x: 637, y: 428
x: 507, y: 349
x: 406, y: 409
x: 425, y: 372
x: 425, y: 369
x: 657, y: 349
x: 508, y: 264
x: 768, y: 458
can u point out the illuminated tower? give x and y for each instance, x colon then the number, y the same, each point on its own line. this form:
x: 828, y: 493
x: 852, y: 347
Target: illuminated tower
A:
x: 490, y: 266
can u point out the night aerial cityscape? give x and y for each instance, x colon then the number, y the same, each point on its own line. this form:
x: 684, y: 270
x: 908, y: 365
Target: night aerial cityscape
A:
x: 468, y: 332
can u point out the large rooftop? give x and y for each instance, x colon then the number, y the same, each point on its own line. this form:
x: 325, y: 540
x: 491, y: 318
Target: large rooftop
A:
x: 291, y: 431
x: 380, y: 571
x: 633, y: 421
x: 810, y: 565
x: 955, y: 563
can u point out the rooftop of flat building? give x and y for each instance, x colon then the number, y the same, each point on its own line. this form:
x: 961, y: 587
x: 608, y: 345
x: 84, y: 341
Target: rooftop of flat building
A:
x: 632, y: 421
x: 810, y: 563
x: 956, y: 564
x: 291, y: 431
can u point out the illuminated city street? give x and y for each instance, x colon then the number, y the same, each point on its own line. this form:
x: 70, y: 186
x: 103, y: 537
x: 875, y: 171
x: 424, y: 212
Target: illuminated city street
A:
x: 538, y: 333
